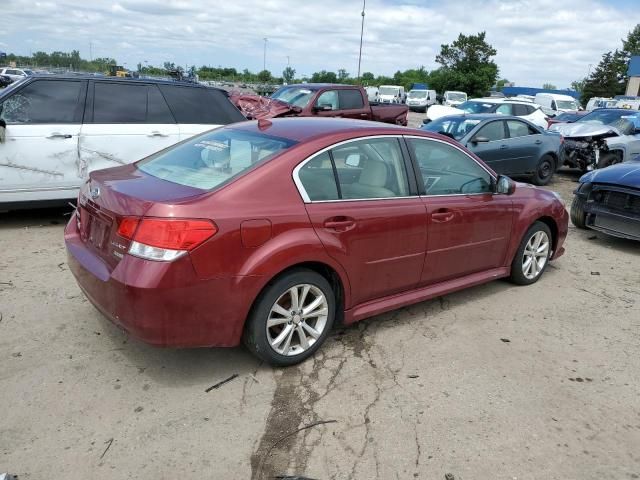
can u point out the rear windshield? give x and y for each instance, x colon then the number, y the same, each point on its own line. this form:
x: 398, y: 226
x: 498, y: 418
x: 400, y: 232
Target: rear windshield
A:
x: 214, y: 158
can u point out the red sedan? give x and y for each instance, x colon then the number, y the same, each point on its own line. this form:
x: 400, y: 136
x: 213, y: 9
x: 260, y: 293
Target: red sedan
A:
x: 272, y: 231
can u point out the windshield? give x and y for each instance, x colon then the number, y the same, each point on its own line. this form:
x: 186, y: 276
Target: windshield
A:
x: 417, y: 94
x: 28, y: 72
x: 456, y: 96
x: 567, y: 117
x: 456, y: 127
x: 566, y: 105
x: 214, y: 158
x: 388, y: 91
x: 476, y: 107
x: 607, y: 117
x: 298, y: 96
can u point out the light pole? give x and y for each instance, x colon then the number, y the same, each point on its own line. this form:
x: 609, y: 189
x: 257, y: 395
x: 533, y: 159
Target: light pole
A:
x: 264, y: 59
x: 364, y: 4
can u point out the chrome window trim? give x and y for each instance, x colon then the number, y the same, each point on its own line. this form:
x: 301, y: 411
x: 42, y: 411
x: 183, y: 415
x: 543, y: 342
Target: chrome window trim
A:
x: 303, y: 192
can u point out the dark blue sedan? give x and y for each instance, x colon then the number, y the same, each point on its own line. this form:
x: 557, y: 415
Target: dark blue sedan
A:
x: 608, y: 200
x: 509, y: 145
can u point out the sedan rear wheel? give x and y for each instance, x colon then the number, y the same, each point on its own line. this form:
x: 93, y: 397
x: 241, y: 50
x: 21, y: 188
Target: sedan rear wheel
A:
x: 291, y: 319
x: 533, y: 255
x: 544, y: 170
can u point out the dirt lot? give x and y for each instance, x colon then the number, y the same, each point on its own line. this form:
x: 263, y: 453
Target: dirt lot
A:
x: 496, y: 382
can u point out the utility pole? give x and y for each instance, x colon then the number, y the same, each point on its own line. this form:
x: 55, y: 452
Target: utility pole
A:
x: 364, y: 4
x: 264, y: 61
x: 91, y: 51
x: 287, y: 61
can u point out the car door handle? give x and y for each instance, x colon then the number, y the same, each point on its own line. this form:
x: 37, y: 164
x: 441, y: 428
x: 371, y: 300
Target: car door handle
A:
x: 538, y: 142
x: 504, y: 147
x: 364, y: 115
x: 55, y: 135
x: 339, y: 224
x: 156, y: 133
x: 443, y: 215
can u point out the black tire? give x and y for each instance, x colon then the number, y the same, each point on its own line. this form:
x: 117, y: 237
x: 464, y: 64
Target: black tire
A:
x: 608, y: 159
x: 578, y: 217
x: 256, y: 337
x: 544, y: 170
x: 517, y: 265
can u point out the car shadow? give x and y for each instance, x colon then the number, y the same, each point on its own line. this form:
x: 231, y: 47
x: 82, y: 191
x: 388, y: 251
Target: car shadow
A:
x: 608, y: 241
x: 177, y: 366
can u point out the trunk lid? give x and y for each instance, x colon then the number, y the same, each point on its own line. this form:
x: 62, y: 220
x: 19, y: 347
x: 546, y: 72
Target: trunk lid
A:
x: 113, y: 194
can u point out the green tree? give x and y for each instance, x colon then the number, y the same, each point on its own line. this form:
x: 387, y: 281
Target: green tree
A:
x: 500, y: 84
x: 367, y: 77
x: 467, y: 64
x: 343, y: 75
x: 264, y: 76
x: 549, y: 86
x: 324, y: 77
x: 288, y: 74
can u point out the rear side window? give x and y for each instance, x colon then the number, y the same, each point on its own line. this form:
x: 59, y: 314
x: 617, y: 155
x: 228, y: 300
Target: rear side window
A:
x: 505, y: 109
x: 518, y: 129
x: 119, y: 103
x: 44, y: 101
x: 318, y: 179
x: 520, y: 110
x: 200, y: 105
x: 213, y: 159
x: 350, y: 99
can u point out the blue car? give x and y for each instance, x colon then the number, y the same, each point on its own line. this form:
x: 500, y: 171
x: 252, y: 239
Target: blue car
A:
x: 509, y: 145
x: 608, y: 200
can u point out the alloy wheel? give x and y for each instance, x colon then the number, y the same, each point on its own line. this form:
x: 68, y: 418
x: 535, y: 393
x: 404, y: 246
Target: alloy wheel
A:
x: 297, y: 319
x: 535, y: 255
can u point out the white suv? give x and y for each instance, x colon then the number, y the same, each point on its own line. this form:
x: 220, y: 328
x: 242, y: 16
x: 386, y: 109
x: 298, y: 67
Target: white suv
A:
x: 15, y: 74
x: 506, y: 106
x: 54, y: 130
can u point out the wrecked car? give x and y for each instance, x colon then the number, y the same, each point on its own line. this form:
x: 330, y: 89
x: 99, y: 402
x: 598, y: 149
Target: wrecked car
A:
x: 608, y: 200
x: 320, y: 100
x: 604, y: 137
x: 54, y: 130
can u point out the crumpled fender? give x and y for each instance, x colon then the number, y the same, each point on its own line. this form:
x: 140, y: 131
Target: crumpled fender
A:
x: 255, y: 107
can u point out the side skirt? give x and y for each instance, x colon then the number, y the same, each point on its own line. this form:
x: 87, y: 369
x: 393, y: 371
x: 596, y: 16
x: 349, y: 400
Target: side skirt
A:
x: 393, y: 302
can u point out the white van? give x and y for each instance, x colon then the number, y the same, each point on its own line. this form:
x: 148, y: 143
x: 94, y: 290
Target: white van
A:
x: 420, y: 100
x: 555, y: 103
x: 452, y: 98
x: 391, y: 94
x: 54, y: 129
x: 372, y: 94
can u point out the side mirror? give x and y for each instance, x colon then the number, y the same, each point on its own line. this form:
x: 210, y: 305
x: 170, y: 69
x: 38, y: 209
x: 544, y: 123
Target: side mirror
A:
x: 476, y: 140
x: 3, y: 131
x: 505, y: 186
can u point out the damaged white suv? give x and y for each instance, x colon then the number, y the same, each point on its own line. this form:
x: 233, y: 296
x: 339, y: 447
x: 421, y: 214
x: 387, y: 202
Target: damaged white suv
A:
x: 54, y: 130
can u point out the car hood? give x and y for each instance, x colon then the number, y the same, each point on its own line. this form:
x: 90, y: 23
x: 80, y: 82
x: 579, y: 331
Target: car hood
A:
x: 437, y: 111
x: 256, y: 107
x: 582, y: 129
x: 624, y: 174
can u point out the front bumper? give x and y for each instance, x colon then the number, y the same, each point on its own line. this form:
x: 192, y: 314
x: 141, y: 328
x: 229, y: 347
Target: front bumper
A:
x: 162, y: 303
x: 613, y: 210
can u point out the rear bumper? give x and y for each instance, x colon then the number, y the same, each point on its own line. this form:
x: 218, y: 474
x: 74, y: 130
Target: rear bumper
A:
x: 162, y: 303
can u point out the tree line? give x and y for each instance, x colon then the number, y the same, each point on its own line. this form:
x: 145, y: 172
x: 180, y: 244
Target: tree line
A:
x: 465, y: 64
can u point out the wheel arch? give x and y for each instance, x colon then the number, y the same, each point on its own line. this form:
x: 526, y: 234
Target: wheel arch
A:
x: 553, y: 226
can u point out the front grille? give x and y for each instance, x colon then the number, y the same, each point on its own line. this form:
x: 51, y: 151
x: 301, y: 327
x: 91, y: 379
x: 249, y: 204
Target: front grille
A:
x: 619, y: 200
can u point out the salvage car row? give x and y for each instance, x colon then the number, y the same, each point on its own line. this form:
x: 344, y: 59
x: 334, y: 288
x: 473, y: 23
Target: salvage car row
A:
x: 268, y: 232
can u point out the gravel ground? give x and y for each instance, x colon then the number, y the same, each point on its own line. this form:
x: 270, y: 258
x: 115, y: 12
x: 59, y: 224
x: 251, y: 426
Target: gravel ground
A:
x: 497, y: 381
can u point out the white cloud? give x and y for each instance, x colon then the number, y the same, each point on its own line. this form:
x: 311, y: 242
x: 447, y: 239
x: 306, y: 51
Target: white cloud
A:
x: 537, y: 41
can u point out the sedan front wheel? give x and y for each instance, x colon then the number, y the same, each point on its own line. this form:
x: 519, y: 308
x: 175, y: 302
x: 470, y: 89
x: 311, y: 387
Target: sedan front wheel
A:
x: 532, y: 256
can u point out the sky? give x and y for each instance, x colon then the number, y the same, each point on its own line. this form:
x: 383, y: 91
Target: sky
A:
x: 538, y: 41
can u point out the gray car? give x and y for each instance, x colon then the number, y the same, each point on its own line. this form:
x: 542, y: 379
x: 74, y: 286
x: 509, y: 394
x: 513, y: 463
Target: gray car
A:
x: 509, y: 145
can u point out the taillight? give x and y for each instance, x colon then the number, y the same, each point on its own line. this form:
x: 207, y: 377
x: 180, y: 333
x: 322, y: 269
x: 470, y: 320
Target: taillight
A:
x: 164, y: 238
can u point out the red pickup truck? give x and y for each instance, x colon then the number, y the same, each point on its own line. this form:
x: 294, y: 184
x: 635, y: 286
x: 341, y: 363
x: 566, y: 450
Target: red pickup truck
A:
x: 319, y: 100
